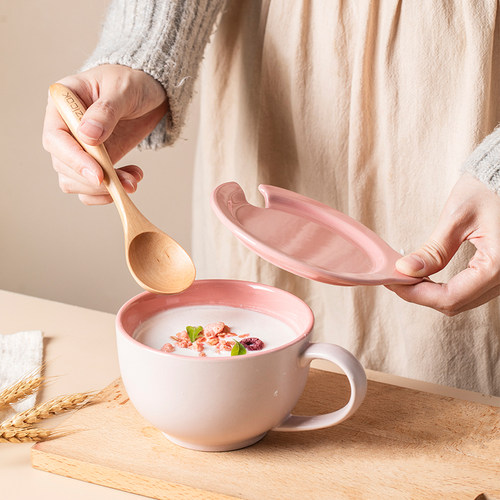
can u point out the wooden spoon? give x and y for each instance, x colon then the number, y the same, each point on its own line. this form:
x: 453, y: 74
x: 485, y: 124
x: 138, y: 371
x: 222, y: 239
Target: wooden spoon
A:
x: 157, y: 262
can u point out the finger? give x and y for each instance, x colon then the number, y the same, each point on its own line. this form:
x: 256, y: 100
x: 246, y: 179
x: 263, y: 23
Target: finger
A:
x: 129, y: 184
x: 72, y: 182
x: 73, y: 186
x: 471, y: 286
x: 69, y: 176
x: 95, y: 200
x: 128, y: 133
x: 420, y: 296
x: 128, y: 180
x: 69, y: 185
x: 101, y: 117
x: 435, y: 254
x: 482, y: 299
x: 134, y: 170
x: 417, y: 294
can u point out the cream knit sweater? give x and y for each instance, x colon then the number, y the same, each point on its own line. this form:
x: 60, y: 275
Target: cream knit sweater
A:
x: 167, y: 38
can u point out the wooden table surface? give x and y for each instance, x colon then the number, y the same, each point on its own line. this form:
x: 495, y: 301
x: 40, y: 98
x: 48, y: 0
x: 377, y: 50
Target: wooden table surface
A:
x: 80, y: 353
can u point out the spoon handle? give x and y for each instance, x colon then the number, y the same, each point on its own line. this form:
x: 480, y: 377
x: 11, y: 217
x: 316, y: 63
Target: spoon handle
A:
x: 72, y: 109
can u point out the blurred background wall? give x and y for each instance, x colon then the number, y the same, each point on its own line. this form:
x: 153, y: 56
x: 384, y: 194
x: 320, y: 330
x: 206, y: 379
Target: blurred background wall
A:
x: 51, y: 245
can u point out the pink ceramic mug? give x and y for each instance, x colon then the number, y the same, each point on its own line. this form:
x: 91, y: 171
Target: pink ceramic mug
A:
x: 219, y: 404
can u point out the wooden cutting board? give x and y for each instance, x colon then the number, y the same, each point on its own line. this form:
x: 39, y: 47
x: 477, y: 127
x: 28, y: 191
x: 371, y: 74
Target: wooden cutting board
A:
x: 400, y: 444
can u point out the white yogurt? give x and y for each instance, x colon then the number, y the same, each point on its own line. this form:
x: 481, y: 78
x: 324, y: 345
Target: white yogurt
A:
x: 157, y: 330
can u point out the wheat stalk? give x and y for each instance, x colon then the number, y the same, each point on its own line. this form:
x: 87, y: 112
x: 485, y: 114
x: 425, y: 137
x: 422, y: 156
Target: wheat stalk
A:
x: 55, y: 406
x: 20, y: 428
x: 16, y: 435
x: 21, y: 389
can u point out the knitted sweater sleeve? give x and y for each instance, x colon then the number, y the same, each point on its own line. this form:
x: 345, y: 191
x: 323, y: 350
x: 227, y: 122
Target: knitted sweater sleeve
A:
x: 164, y: 38
x: 484, y: 162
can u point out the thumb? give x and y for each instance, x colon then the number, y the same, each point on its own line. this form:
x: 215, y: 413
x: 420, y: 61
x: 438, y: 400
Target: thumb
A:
x: 100, y: 119
x: 430, y: 258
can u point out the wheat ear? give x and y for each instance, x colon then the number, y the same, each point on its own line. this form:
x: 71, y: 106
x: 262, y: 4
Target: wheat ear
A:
x: 16, y: 435
x: 21, y: 389
x: 55, y: 406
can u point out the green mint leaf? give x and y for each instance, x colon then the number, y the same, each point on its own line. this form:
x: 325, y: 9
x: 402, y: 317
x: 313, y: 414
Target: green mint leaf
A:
x: 238, y: 349
x: 194, y: 332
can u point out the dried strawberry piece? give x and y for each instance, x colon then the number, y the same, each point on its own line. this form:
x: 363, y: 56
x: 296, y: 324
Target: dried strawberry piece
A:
x: 214, y: 329
x: 252, y: 343
x: 168, y: 348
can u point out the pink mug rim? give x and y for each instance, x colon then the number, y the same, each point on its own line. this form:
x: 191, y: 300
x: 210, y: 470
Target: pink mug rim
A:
x: 121, y: 330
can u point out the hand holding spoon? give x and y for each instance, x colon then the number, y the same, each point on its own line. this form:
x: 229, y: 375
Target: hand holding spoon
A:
x: 156, y: 261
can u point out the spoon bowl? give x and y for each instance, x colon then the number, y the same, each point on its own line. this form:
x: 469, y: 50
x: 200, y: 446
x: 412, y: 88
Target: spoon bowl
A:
x: 149, y: 253
x: 155, y: 260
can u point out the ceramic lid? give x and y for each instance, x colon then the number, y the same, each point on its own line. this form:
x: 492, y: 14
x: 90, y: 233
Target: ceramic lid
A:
x: 308, y: 238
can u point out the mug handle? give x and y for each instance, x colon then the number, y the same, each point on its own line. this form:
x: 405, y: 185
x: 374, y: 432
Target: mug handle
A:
x: 357, y: 380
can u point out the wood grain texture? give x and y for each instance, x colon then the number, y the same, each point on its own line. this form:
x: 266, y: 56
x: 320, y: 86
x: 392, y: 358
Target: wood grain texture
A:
x: 400, y: 444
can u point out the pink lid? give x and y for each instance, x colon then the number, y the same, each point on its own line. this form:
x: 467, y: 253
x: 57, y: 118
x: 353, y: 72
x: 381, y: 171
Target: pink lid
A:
x: 308, y: 238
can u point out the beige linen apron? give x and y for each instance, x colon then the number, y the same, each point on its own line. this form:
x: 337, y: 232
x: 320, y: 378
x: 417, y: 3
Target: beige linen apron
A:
x: 369, y: 107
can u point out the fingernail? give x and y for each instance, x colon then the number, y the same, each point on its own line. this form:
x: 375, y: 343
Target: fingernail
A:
x: 91, y: 176
x: 131, y: 185
x: 91, y: 129
x: 411, y: 263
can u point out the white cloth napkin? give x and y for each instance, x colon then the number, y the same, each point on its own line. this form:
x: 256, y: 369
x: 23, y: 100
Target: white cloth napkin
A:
x: 20, y: 354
